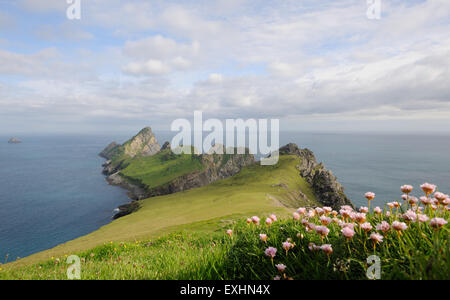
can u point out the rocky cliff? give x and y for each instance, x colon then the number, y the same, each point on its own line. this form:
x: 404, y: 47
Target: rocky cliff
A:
x: 328, y: 190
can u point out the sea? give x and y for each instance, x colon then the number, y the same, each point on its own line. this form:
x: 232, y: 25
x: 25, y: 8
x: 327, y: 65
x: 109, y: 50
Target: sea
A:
x: 52, y: 190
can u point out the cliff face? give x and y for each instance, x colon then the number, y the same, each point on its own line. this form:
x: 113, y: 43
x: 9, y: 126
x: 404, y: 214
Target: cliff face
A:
x: 144, y: 143
x: 328, y: 190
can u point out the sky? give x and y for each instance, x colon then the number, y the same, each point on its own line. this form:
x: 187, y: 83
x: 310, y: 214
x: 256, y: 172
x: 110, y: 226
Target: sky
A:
x: 316, y: 65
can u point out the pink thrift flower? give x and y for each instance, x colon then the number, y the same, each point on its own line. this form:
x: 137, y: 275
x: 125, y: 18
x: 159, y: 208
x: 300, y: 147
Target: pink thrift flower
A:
x: 428, y: 188
x: 405, y: 197
x: 384, y: 226
x: 287, y: 246
x: 378, y: 210
x: 360, y: 217
x: 269, y: 221
x: 313, y: 247
x: 322, y: 230
x: 437, y: 223
x: 273, y: 217
x: 327, y: 209
x: 409, y: 216
x: 319, y: 211
x: 440, y: 196
x: 391, y: 205
x: 413, y: 200
x: 277, y: 278
x: 327, y: 249
x: 423, y: 218
x: 249, y: 220
x: 271, y: 252
x: 301, y: 210
x: 347, y: 207
x: 281, y: 268
x: 388, y: 214
x: 263, y: 237
x: 348, y: 232
x: 370, y: 196
x: 399, y: 226
x: 296, y: 216
x: 325, y: 220
x: 366, y: 227
x: 377, y: 238
x: 406, y: 188
x: 425, y: 200
x: 255, y: 220
x: 230, y: 232
x: 363, y: 209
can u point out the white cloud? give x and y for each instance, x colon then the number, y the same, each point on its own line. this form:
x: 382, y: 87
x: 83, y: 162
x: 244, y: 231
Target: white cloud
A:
x: 149, y: 67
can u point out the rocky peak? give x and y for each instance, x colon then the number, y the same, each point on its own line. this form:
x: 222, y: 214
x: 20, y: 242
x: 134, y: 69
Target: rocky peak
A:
x: 165, y: 146
x: 328, y: 190
x: 144, y: 143
x: 108, y: 152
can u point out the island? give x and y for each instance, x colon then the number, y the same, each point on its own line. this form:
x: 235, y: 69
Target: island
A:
x: 14, y: 140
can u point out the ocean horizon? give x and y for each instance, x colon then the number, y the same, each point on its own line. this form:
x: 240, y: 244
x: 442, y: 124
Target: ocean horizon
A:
x: 52, y: 190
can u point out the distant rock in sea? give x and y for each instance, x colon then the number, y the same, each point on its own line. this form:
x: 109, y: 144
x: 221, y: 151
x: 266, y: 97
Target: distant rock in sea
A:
x: 14, y: 141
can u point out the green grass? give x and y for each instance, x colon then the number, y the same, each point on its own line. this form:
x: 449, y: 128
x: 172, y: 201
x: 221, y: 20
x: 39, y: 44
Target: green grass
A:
x: 418, y: 253
x: 255, y: 190
x: 160, y: 169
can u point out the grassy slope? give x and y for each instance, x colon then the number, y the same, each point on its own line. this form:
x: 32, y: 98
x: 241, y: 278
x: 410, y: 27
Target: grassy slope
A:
x: 159, y: 169
x: 252, y: 191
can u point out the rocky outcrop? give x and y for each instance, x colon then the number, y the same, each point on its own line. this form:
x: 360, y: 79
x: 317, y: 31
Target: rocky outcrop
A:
x: 14, y: 141
x: 327, y: 189
x: 144, y: 143
x: 109, y: 151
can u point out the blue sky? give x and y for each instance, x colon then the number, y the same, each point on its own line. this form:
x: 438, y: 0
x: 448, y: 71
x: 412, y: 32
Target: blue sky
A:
x: 315, y: 65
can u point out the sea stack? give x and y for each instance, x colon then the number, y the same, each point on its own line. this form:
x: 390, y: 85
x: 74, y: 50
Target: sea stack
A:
x: 14, y: 141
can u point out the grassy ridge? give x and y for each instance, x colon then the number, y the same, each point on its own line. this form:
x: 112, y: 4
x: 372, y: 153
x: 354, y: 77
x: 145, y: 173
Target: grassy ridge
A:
x: 161, y: 168
x: 255, y: 190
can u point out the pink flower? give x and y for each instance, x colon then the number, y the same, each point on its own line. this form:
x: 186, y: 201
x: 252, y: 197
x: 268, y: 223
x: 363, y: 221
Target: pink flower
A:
x: 255, y: 220
x: 409, y: 216
x: 388, y: 214
x: 281, y: 268
x: 391, y: 204
x: 347, y: 207
x: 370, y: 196
x: 311, y: 213
x: 363, y: 209
x: 263, y: 237
x: 230, y: 232
x: 327, y: 249
x: 249, y: 220
x: 296, y: 216
x: 396, y: 204
x: 384, y: 226
x: 428, y: 188
x: 273, y: 217
x: 327, y: 209
x: 319, y: 211
x: 378, y: 210
x: 366, y: 227
x: 360, y: 218
x: 399, y: 226
x: 277, y: 278
x: 348, y: 232
x: 269, y: 221
x: 405, y: 197
x: 440, y: 196
x: 301, y: 210
x: 271, y: 252
x: 406, y: 188
x: 325, y: 220
x: 313, y: 247
x: 425, y: 200
x: 287, y: 246
x: 423, y: 218
x: 377, y: 238
x: 413, y: 200
x: 322, y: 230
x: 437, y: 223
x: 345, y: 213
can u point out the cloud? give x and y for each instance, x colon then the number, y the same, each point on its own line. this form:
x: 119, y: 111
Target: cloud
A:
x: 149, y: 67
